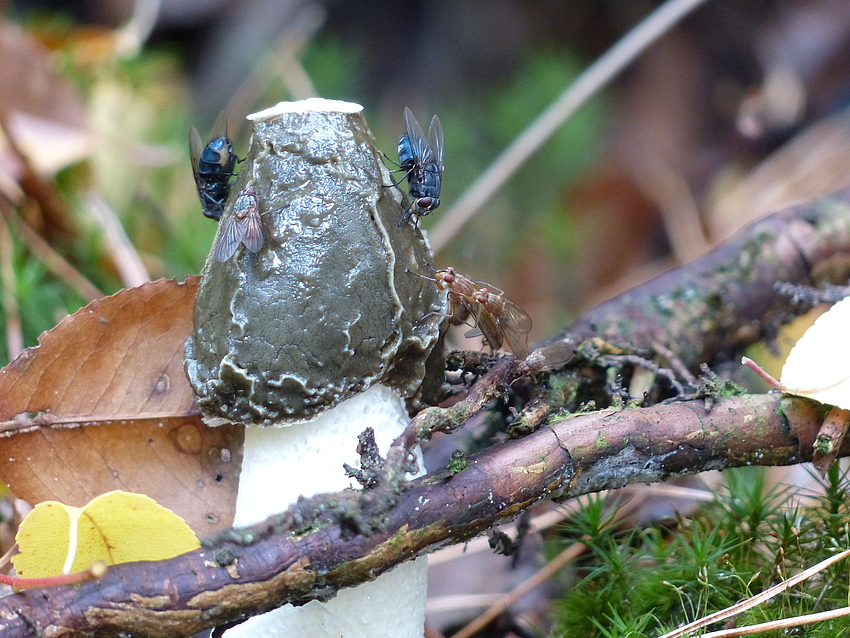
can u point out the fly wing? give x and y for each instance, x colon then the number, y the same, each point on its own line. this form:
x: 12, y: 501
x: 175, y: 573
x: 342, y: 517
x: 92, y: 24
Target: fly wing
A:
x: 515, y: 325
x: 219, y: 128
x: 195, y: 148
x: 253, y: 238
x: 486, y: 325
x: 548, y: 357
x: 231, y: 233
x: 435, y: 135
x: 422, y: 151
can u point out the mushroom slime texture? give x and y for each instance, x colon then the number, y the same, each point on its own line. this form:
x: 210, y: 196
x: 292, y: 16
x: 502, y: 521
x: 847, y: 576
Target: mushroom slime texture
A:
x: 327, y: 306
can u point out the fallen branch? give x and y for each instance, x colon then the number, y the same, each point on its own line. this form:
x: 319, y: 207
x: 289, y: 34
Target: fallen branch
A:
x: 262, y: 567
x: 709, y: 310
x: 705, y: 311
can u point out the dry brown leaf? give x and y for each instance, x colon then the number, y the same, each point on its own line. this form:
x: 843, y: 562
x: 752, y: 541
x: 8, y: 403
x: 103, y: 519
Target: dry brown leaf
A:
x: 103, y: 404
x: 43, y: 111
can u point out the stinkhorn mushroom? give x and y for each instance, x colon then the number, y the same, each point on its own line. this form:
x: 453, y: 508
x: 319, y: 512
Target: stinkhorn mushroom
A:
x: 318, y: 334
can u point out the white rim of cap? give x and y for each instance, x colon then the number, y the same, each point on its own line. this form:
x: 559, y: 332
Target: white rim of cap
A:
x: 313, y: 104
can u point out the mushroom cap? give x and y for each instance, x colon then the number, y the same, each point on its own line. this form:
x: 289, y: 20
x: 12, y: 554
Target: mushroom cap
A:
x: 326, y: 308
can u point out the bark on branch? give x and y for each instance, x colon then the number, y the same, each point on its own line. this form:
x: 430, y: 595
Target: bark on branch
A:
x: 709, y: 310
x: 574, y: 456
x: 705, y: 311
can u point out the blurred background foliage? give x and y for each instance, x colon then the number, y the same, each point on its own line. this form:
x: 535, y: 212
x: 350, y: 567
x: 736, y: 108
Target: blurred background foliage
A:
x: 633, y: 183
x: 136, y: 100
x: 737, y: 111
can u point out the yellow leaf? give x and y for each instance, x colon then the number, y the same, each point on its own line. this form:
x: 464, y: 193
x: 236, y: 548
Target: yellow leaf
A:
x: 116, y: 527
x: 818, y: 367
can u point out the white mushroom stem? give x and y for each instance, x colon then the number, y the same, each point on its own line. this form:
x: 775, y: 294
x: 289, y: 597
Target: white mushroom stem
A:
x: 281, y: 463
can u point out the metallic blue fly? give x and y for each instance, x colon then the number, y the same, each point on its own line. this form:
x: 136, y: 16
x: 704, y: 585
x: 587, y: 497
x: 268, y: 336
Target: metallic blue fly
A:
x: 421, y: 160
x: 212, y: 167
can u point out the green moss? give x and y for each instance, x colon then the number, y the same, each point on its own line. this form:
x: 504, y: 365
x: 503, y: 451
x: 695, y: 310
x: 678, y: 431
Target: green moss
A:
x: 644, y: 582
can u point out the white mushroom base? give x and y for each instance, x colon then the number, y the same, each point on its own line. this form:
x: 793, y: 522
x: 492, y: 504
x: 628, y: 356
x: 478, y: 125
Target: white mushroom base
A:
x: 279, y: 464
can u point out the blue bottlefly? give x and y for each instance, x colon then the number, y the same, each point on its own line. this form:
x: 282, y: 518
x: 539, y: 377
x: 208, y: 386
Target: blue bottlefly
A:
x: 421, y: 160
x: 212, y: 167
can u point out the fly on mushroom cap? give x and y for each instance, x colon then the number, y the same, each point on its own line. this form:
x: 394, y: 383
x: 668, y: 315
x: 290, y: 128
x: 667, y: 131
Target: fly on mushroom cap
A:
x: 325, y: 308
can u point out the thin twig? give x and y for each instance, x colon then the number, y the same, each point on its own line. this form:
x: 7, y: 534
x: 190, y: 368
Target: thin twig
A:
x: 11, y: 309
x: 810, y: 296
x: 52, y: 260
x: 667, y: 188
x: 430, y: 632
x: 287, y: 58
x: 675, y: 363
x: 96, y: 570
x: 130, y: 37
x: 783, y: 623
x: 577, y: 94
x: 130, y: 266
x: 564, y: 558
x: 283, y: 60
x: 548, y: 571
x: 52, y: 208
x: 764, y: 596
x: 6, y: 559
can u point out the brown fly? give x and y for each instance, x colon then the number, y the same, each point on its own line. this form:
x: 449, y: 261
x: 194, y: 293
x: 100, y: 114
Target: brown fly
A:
x: 460, y: 293
x: 499, y: 320
x: 242, y: 226
x: 548, y: 357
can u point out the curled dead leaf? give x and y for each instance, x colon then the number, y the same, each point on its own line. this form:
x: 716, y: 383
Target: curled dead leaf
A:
x: 44, y: 113
x: 102, y: 403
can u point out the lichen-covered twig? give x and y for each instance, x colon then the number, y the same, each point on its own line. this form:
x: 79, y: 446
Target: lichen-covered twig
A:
x: 704, y: 312
x: 575, y: 455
